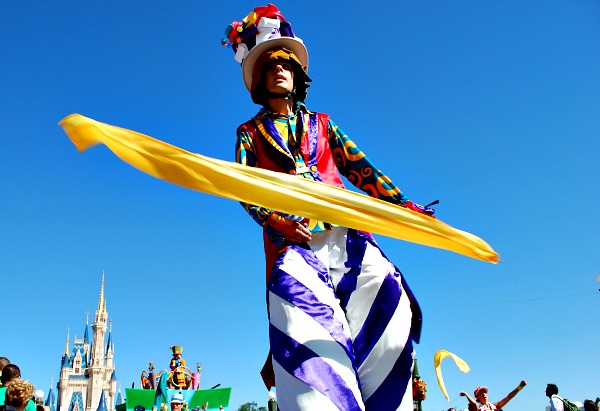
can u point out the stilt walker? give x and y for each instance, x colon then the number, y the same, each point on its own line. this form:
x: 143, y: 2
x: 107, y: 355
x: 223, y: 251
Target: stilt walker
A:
x: 342, y: 318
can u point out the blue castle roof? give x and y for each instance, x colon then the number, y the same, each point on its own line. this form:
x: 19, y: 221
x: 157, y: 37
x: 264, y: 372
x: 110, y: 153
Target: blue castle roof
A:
x: 51, y: 401
x: 102, y: 404
x: 65, y: 361
x: 86, y: 334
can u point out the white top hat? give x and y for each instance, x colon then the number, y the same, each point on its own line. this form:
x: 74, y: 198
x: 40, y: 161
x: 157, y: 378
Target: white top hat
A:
x: 263, y: 29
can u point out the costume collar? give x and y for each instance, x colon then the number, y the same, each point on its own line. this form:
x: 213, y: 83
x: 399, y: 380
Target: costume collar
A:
x: 298, y: 107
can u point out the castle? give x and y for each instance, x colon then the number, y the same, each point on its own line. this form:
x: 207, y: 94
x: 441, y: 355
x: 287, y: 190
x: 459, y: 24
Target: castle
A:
x: 87, y: 375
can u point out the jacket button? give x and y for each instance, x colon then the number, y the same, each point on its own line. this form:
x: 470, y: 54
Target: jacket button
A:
x: 314, y: 169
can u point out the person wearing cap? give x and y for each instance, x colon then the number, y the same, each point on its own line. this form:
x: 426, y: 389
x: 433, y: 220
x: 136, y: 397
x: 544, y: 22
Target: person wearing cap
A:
x: 177, y: 402
x: 342, y: 318
x: 481, y: 394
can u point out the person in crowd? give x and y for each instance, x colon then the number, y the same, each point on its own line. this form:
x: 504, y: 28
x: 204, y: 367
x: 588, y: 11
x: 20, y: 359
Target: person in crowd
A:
x: 481, y: 394
x: 556, y: 402
x: 589, y: 405
x: 18, y: 395
x: 10, y: 374
x: 3, y: 363
x: 177, y: 402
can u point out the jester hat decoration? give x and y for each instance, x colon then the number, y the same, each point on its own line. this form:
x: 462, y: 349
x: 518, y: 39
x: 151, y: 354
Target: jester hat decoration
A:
x: 262, y: 30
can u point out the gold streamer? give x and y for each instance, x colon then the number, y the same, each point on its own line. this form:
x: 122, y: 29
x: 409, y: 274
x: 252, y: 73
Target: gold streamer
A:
x: 273, y: 190
x: 437, y: 363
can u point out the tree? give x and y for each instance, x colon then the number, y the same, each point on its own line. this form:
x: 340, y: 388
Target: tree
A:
x: 251, y: 406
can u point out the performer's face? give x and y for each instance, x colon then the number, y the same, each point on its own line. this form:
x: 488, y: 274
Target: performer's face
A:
x: 279, y: 77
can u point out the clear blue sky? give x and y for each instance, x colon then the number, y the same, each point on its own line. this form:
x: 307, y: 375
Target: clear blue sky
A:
x: 492, y: 107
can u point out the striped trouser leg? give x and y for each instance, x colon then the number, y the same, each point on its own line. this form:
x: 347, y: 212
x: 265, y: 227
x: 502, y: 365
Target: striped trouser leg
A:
x: 339, y: 327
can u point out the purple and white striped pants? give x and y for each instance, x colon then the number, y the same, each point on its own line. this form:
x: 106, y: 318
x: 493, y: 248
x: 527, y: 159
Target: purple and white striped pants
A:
x: 340, y: 327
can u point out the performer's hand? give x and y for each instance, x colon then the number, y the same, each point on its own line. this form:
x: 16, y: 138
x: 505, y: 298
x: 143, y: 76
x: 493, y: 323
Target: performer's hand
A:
x: 463, y: 394
x: 523, y: 383
x: 419, y: 208
x: 293, y: 229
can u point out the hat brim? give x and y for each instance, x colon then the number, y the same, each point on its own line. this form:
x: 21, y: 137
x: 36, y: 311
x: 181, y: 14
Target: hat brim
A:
x: 480, y: 390
x: 291, y: 43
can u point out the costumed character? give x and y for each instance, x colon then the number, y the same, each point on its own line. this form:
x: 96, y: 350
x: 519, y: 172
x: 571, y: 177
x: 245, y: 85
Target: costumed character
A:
x: 177, y: 365
x: 196, y: 377
x: 152, y: 376
x: 149, y: 379
x: 342, y: 318
x: 144, y: 381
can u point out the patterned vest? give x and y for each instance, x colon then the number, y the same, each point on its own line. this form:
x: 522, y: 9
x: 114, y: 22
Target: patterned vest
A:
x: 272, y: 154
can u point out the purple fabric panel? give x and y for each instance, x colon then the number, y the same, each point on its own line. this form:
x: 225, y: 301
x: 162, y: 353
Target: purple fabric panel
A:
x: 313, y: 131
x: 383, y: 308
x: 291, y: 290
x: 417, y: 314
x: 308, y: 367
x: 389, y: 394
x: 286, y: 29
x: 355, y: 249
x: 248, y: 32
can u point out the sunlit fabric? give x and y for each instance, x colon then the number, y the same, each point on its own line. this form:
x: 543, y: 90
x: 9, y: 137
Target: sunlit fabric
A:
x: 437, y: 363
x: 340, y: 326
x: 277, y: 191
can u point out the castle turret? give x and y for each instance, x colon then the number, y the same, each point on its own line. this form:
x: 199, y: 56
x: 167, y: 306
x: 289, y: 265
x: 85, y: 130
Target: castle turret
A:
x: 50, y: 400
x: 119, y: 398
x: 99, y: 327
x: 97, y: 371
x: 110, y: 349
x: 102, y: 403
x: 87, y: 376
x: 86, y: 340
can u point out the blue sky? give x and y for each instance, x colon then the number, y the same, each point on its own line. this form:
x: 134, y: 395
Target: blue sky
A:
x: 492, y: 107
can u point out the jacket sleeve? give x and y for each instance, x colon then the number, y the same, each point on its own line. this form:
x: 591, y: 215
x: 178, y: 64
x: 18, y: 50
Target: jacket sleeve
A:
x: 245, y: 154
x: 359, y: 170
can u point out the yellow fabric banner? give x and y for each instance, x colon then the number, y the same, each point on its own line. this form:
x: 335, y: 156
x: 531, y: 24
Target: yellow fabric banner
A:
x: 437, y: 363
x: 273, y: 190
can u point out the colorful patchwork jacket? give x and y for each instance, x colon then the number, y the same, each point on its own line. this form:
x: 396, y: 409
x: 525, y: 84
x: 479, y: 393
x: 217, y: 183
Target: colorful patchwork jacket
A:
x: 310, y: 145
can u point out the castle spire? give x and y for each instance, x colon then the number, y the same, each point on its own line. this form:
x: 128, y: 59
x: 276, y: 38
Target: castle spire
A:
x: 86, y: 337
x: 67, y: 343
x: 101, y: 302
x: 109, y: 344
x: 97, y: 353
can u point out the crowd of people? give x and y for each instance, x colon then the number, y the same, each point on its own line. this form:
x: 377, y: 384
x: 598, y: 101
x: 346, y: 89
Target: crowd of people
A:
x: 557, y: 403
x: 16, y: 394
